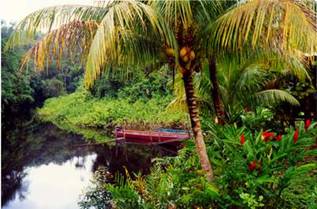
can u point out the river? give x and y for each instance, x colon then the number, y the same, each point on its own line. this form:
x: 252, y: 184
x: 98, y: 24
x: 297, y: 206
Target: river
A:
x: 44, y: 167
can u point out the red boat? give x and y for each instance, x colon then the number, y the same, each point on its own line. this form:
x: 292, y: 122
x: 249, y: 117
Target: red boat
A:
x: 150, y: 137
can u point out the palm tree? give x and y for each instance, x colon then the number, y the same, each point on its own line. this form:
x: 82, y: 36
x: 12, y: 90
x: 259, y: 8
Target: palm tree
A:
x: 215, y: 90
x: 140, y: 33
x: 256, y: 26
x: 242, y: 85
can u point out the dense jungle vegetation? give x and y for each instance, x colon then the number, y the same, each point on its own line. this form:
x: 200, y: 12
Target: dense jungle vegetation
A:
x: 240, y: 74
x: 23, y: 90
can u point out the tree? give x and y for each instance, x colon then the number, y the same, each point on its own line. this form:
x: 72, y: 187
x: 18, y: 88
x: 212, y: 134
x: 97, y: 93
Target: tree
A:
x: 16, y: 91
x: 139, y: 33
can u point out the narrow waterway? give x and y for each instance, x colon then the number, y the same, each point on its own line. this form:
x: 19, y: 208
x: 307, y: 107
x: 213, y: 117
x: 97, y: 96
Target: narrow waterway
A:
x: 45, y: 167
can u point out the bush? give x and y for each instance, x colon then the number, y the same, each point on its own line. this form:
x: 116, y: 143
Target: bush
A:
x: 267, y: 164
x: 53, y: 88
x: 132, y: 85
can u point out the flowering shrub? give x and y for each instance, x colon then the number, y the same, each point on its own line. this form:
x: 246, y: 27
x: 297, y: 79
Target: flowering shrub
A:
x: 265, y: 164
x: 307, y: 124
x: 267, y: 136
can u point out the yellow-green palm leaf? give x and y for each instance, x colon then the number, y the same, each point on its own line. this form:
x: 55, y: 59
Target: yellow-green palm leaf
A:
x: 283, y: 25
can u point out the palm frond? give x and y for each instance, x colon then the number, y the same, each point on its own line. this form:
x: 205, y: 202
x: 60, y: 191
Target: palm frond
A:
x: 289, y: 63
x: 121, y: 38
x: 175, y: 12
x: 47, y: 19
x: 71, y: 39
x: 273, y: 96
x: 179, y: 101
x: 250, y: 78
x: 270, y: 24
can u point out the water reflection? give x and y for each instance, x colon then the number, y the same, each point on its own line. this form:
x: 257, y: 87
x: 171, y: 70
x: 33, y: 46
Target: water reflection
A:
x: 44, y: 167
x: 54, y: 186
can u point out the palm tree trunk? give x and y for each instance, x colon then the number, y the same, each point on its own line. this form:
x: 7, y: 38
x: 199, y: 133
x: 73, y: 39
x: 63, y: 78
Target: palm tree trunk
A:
x: 196, y: 126
x: 218, y: 105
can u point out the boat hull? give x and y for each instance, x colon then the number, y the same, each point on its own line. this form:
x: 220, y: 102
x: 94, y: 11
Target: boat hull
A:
x: 150, y: 137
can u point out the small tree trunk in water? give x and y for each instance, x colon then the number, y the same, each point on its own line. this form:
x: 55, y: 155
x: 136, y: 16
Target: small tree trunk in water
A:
x: 195, y: 123
x: 218, y: 105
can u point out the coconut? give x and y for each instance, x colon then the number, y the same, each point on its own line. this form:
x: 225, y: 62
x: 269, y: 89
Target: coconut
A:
x: 192, y: 55
x: 183, y: 51
x: 169, y: 52
x: 185, y: 58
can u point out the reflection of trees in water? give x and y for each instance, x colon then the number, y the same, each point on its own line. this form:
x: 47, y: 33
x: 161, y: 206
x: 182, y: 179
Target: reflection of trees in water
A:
x: 134, y: 158
x: 23, y: 148
x: 113, y: 160
x: 11, y: 185
x: 56, y: 146
x: 43, y: 144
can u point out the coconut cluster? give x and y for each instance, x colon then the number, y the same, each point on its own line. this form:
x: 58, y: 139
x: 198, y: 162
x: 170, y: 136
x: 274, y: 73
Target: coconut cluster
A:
x: 186, y: 54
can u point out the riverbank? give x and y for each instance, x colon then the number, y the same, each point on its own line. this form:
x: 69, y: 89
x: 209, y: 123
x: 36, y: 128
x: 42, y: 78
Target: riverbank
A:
x: 95, y: 118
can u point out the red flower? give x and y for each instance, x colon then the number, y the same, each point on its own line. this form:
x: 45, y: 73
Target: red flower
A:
x: 252, y: 165
x: 278, y: 137
x: 307, y: 124
x: 242, y: 139
x: 295, y: 137
x: 266, y: 136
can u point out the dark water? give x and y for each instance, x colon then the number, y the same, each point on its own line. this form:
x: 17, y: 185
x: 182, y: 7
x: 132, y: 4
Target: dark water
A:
x: 44, y: 167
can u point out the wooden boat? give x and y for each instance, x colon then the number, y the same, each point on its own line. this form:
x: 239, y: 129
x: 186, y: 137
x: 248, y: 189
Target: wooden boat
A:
x: 151, y: 137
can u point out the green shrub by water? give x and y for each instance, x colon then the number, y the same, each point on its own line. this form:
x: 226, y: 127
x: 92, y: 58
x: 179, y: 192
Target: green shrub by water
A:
x: 81, y: 113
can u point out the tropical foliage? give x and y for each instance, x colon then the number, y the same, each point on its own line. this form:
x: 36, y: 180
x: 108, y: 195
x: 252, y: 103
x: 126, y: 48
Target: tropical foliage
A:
x: 80, y: 112
x: 27, y: 86
x: 246, y: 65
x: 254, y: 169
x: 248, y: 87
x: 136, y: 33
x: 16, y: 88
